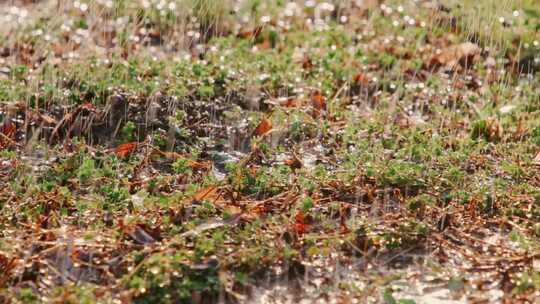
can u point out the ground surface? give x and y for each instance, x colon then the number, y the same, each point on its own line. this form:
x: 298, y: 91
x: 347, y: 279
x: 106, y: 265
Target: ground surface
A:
x: 269, y: 151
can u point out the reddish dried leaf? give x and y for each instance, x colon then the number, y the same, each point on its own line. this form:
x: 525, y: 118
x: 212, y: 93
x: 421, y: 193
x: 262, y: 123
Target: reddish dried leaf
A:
x: 342, y: 221
x: 294, y: 163
x: 263, y: 45
x: 192, y: 164
x: 59, y: 49
x: 205, y: 193
x: 307, y: 64
x: 87, y: 106
x: 317, y: 101
x: 263, y: 127
x: 124, y: 149
x: 37, y: 117
x: 198, y: 165
x: 169, y: 155
x: 291, y: 103
x: 299, y: 225
x: 250, y: 33
x: 299, y: 217
x: 7, y: 265
x: 360, y: 79
x: 48, y: 119
x: 8, y: 129
x: 300, y: 228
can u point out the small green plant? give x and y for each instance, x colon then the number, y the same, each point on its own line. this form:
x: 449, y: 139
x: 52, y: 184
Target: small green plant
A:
x: 27, y: 295
x: 86, y: 170
x: 127, y: 133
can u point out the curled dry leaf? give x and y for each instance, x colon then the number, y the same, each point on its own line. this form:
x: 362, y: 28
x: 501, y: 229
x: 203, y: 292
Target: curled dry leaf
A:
x: 461, y: 53
x: 124, y: 149
x: 264, y: 127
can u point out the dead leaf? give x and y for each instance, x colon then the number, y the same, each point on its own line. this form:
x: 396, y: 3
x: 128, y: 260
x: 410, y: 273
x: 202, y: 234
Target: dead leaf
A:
x: 300, y: 228
x: 291, y: 103
x: 205, y: 193
x: 536, y: 159
x: 299, y: 225
x: 250, y: 33
x: 36, y: 116
x: 195, y: 165
x: 299, y: 217
x: 71, y: 117
x: 294, y: 163
x: 48, y: 119
x: 307, y: 64
x: 7, y: 133
x: 6, y: 267
x: 343, y: 220
x: 124, y: 149
x: 463, y: 53
x: 8, y: 129
x: 263, y: 45
x: 495, y: 129
x: 198, y: 165
x: 263, y: 127
x: 360, y: 79
x: 318, y: 103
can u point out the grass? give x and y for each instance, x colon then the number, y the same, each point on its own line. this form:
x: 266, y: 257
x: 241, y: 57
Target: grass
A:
x: 200, y: 151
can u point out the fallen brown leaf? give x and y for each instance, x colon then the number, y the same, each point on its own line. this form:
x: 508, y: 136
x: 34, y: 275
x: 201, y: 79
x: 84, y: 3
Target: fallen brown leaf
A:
x: 317, y: 101
x: 294, y: 163
x: 263, y: 127
x: 205, y: 193
x: 455, y: 54
x: 360, y: 79
x: 124, y: 149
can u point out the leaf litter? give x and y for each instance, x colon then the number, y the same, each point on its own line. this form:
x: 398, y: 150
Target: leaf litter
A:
x: 366, y: 155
